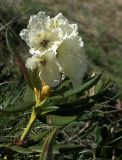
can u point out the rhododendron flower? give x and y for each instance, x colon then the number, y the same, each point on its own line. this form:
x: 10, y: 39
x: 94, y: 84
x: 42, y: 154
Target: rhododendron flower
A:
x: 56, y: 49
x: 47, y: 66
x: 71, y: 57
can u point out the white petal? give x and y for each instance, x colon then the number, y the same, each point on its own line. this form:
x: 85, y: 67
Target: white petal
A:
x: 32, y: 62
x: 24, y: 35
x: 49, y: 70
x: 49, y: 37
x: 66, y: 29
x: 42, y: 27
x: 33, y: 51
x: 38, y: 21
x: 72, y: 59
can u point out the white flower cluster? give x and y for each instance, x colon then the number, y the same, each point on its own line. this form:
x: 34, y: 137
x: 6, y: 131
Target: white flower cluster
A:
x: 56, y: 49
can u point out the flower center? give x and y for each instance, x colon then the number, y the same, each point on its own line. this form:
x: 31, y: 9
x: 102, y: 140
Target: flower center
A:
x: 43, y: 62
x: 44, y: 43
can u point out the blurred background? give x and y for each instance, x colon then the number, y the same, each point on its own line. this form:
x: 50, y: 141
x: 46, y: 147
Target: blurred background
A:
x: 100, y: 26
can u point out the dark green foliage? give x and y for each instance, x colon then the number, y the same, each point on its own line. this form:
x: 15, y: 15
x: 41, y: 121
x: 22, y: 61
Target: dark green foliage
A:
x: 88, y: 130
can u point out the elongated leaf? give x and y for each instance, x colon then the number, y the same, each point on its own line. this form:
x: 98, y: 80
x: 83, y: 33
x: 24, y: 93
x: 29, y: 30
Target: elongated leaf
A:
x: 59, y: 120
x: 98, y: 86
x: 72, y: 111
x: 81, y: 89
x: 18, y: 108
x: 47, y: 150
x: 20, y: 149
x: 74, y: 103
x: 57, y: 148
x: 15, y: 148
x: 39, y: 136
x: 29, y: 94
x: 65, y: 85
x: 4, y: 139
x: 97, y: 134
x: 84, y: 87
x: 4, y: 145
x: 38, y: 148
x: 70, y: 148
x: 49, y: 109
x: 115, y: 140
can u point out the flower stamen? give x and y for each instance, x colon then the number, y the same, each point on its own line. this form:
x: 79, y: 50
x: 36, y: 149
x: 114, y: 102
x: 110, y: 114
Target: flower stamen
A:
x: 43, y: 62
x: 44, y: 43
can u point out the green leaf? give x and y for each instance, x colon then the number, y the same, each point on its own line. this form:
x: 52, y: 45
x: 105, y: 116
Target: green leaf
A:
x: 57, y: 148
x: 4, y: 139
x: 100, y: 133
x: 98, y: 86
x: 18, y: 108
x: 102, y: 85
x: 20, y: 149
x: 84, y: 87
x: 36, y: 137
x: 38, y: 148
x: 59, y: 120
x: 65, y: 84
x: 75, y: 102
x: 75, y: 110
x: 70, y: 148
x: 15, y: 148
x: 79, y: 90
x: 97, y: 134
x: 47, y: 150
x: 116, y: 140
x: 97, y: 97
x: 4, y: 145
x: 63, y: 87
x: 29, y: 94
x: 49, y: 109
